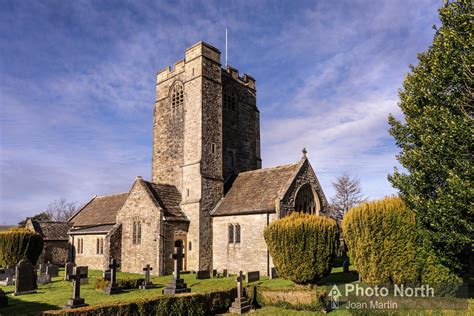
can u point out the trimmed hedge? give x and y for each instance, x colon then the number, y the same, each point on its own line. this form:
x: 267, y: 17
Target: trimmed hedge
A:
x: 19, y: 243
x: 302, y: 246
x: 126, y: 284
x: 386, y: 247
x: 184, y: 304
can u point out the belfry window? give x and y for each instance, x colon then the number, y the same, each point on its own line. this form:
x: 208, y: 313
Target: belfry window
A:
x: 177, y: 96
x: 230, y: 100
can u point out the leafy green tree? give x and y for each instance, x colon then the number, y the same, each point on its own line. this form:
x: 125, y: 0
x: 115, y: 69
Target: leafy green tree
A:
x: 435, y: 137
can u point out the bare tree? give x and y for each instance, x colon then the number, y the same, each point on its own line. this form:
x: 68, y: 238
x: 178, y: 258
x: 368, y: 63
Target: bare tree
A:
x: 348, y: 194
x: 61, y: 210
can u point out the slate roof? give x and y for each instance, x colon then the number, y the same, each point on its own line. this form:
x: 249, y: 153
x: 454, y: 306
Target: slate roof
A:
x: 52, y: 230
x: 168, y: 198
x: 92, y: 229
x: 101, y: 210
x: 256, y: 191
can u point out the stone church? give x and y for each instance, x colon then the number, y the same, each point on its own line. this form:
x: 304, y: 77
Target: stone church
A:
x: 207, y: 191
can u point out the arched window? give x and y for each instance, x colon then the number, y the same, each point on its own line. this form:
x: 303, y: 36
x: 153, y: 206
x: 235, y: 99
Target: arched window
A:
x: 306, y: 201
x: 177, y: 96
x: 137, y: 232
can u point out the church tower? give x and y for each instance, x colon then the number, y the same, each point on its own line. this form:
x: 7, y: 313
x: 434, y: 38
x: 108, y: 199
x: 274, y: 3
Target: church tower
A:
x: 206, y: 128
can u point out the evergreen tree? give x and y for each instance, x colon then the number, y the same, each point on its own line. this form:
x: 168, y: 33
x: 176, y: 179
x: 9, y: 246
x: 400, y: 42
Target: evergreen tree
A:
x: 435, y: 137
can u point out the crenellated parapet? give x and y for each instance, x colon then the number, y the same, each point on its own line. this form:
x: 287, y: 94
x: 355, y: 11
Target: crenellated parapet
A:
x: 246, y: 79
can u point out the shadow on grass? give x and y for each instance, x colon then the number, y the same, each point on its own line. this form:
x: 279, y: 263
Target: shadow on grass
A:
x: 339, y: 277
x: 17, y: 306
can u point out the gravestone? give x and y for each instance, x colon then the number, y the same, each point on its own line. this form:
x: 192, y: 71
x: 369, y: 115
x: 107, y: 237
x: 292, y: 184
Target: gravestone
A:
x: 106, y: 275
x: 3, y: 299
x: 147, y: 284
x: 203, y: 274
x: 42, y: 268
x: 68, y: 270
x: 6, y: 276
x: 76, y: 300
x: 241, y: 303
x: 43, y: 279
x: 52, y: 270
x: 177, y: 284
x: 214, y: 273
x: 113, y: 287
x: 224, y: 273
x: 273, y: 273
x: 253, y: 276
x: 84, y: 273
x: 25, y: 282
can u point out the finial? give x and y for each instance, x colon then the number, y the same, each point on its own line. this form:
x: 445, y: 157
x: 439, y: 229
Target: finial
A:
x: 304, y: 152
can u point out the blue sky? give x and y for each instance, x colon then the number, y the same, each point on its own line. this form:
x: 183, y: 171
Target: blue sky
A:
x: 77, y: 82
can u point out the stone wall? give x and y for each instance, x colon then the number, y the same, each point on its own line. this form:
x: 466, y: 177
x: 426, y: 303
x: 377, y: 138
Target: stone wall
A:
x: 241, y: 124
x: 55, y: 252
x: 113, y: 245
x: 305, y: 175
x: 252, y: 253
x: 89, y: 256
x: 140, y: 207
x: 172, y: 232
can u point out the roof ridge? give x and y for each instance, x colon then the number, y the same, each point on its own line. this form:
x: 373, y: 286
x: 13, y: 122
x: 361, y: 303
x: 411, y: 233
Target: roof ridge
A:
x: 270, y: 168
x: 102, y: 196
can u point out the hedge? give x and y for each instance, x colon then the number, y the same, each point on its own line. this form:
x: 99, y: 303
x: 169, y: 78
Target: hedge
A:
x: 17, y: 244
x: 302, y: 246
x: 386, y: 247
x: 183, y: 304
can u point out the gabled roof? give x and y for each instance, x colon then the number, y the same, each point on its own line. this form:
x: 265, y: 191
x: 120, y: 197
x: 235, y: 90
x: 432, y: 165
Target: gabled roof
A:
x: 167, y: 198
x: 101, y: 210
x: 100, y: 229
x: 256, y: 191
x: 51, y: 230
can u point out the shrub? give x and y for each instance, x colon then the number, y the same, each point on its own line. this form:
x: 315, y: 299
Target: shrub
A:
x: 386, y: 246
x: 19, y: 243
x: 302, y: 246
x: 186, y: 304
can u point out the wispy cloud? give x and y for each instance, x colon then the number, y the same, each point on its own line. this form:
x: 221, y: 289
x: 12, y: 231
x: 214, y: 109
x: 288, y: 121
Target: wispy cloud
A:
x: 77, y: 86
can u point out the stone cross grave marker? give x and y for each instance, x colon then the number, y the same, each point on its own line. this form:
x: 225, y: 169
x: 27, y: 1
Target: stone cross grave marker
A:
x: 68, y: 270
x: 177, y: 284
x: 113, y: 288
x: 25, y: 282
x: 76, y: 300
x: 147, y: 283
x: 241, y: 303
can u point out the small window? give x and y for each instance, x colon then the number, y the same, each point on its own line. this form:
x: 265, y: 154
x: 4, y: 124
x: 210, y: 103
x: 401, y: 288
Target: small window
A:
x: 80, y: 245
x: 237, y: 234
x: 231, y: 233
x: 213, y: 149
x: 100, y: 246
x: 137, y: 232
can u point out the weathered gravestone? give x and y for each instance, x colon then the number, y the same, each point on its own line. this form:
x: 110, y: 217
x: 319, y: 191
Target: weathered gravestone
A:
x: 147, y: 284
x: 177, y: 284
x: 76, y: 300
x: 6, y: 276
x: 68, y: 270
x: 214, y: 273
x: 113, y: 287
x: 52, y: 270
x: 84, y: 273
x: 273, y: 273
x: 43, y: 279
x: 224, y: 273
x: 241, y: 303
x: 25, y: 280
x: 253, y: 276
x: 42, y: 268
x: 203, y: 274
x: 106, y: 275
x: 3, y: 299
